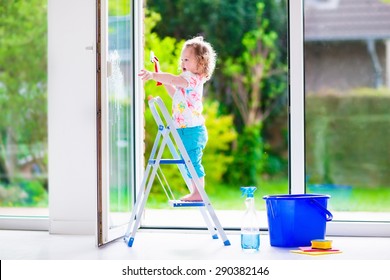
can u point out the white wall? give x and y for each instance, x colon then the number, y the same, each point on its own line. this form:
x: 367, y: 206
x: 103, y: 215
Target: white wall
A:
x: 72, y: 116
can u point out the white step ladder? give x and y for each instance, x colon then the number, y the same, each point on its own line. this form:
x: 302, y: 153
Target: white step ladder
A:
x: 166, y: 137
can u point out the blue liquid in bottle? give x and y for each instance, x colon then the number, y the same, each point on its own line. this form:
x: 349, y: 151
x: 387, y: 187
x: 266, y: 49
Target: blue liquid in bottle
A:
x: 250, y: 242
x: 250, y: 229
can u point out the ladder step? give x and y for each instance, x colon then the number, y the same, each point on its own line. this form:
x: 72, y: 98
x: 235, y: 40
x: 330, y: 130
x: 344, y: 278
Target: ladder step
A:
x: 168, y: 161
x: 181, y: 203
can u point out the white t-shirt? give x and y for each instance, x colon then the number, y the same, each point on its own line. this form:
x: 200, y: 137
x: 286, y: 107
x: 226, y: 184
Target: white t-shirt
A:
x: 187, y: 103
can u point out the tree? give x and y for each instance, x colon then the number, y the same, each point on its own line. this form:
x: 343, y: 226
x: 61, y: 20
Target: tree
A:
x: 232, y: 26
x: 251, y: 69
x: 249, y: 72
x: 223, y: 24
x: 23, y: 83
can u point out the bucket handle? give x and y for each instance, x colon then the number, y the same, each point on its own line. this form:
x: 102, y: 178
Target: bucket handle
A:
x: 328, y: 215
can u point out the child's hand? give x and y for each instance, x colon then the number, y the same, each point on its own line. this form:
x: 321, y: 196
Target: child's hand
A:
x: 145, y: 75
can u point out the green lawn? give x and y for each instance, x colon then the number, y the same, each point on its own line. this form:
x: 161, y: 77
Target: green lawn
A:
x: 229, y: 197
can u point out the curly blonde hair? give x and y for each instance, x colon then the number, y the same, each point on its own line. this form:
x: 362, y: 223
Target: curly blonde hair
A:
x: 205, y: 55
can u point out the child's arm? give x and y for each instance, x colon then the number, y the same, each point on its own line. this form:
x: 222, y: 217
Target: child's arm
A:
x: 170, y: 81
x: 170, y: 89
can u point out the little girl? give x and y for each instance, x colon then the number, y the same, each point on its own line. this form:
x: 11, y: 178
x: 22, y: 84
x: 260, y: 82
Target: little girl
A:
x: 197, y: 63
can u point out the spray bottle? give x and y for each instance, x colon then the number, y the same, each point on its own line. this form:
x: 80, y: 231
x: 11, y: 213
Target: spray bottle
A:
x: 250, y: 229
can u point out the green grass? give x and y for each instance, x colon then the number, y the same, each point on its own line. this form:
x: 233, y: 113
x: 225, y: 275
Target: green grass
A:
x: 230, y: 198
x: 226, y: 197
x: 369, y: 199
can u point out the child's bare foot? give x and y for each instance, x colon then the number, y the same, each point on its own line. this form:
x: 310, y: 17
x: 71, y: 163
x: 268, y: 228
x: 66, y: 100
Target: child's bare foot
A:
x: 192, y: 197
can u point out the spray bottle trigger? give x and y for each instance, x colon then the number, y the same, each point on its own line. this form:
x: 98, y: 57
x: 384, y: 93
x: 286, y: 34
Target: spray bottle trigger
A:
x: 248, y: 191
x: 154, y: 60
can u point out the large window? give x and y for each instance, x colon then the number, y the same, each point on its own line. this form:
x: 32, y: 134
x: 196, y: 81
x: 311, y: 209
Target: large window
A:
x: 23, y: 106
x: 347, y: 98
x: 245, y: 103
x: 338, y: 104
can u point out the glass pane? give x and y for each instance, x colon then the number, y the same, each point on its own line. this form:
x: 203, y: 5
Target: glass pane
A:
x: 347, y: 100
x: 23, y: 107
x: 120, y: 122
x: 244, y: 102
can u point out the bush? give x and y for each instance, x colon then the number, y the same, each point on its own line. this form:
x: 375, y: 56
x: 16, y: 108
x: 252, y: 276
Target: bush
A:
x: 217, y: 156
x: 347, y: 136
x: 25, y: 193
x: 248, y: 158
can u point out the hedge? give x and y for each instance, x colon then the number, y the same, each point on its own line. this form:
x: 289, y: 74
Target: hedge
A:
x: 348, y: 138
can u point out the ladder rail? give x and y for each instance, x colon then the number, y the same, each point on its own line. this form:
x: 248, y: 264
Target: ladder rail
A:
x: 153, y: 103
x: 140, y: 203
x: 167, y: 131
x: 164, y: 183
x: 136, y: 213
x: 168, y: 124
x: 157, y: 101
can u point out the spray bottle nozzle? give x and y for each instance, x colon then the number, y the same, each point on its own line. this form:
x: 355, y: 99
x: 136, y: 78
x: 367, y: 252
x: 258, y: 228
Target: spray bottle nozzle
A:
x: 152, y: 57
x: 248, y: 191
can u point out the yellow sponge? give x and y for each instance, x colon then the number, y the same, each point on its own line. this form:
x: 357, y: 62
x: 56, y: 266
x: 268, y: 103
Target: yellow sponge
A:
x: 321, y: 244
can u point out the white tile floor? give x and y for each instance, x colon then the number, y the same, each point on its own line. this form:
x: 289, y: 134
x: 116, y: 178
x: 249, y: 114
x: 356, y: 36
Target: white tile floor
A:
x: 38, y: 255
x: 172, y: 245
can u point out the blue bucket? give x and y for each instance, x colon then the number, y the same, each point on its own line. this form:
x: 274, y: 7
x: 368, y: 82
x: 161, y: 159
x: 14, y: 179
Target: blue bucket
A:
x: 295, y: 220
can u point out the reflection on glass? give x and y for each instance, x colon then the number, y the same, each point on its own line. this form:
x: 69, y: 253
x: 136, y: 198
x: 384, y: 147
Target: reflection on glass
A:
x: 347, y: 83
x: 120, y: 95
